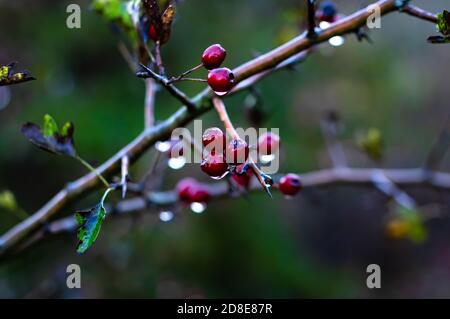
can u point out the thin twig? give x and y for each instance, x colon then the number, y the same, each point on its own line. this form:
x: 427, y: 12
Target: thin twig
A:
x: 124, y: 175
x: 223, y: 114
x: 149, y: 112
x: 311, y: 18
x: 420, y: 13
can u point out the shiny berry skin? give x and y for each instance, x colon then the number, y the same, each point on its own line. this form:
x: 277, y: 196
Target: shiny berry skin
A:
x: 237, y: 151
x: 214, y: 165
x: 214, y: 135
x: 242, y: 178
x: 268, y: 143
x: 213, y: 56
x: 176, y: 149
x: 190, y: 190
x: 221, y: 80
x: 152, y: 33
x: 327, y: 12
x: 290, y: 184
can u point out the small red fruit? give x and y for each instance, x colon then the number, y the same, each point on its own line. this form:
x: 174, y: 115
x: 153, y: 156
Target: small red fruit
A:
x: 221, y: 80
x: 290, y: 184
x: 242, y: 178
x: 216, y: 138
x: 152, y: 33
x: 190, y: 190
x: 237, y: 152
x: 213, y: 56
x: 214, y: 165
x: 176, y: 148
x: 268, y: 143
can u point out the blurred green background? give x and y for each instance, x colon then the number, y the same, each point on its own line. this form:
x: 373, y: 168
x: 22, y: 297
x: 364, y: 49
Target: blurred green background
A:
x: 316, y: 245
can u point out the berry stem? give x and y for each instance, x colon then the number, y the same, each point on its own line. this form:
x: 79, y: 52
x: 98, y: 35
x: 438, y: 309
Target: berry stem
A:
x: 183, y: 75
x: 92, y: 169
x: 223, y: 114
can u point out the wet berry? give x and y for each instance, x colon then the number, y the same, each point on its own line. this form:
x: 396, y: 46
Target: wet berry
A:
x: 213, y: 56
x: 327, y: 12
x: 237, y: 151
x: 152, y: 33
x: 290, y: 184
x: 190, y: 190
x: 268, y: 143
x: 215, y: 138
x: 220, y: 80
x: 214, y: 165
x: 243, y: 175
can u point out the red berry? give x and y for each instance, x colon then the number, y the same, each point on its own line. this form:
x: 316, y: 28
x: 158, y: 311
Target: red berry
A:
x: 214, y: 165
x: 213, y: 56
x: 189, y: 190
x: 268, y: 143
x: 184, y: 188
x: 237, y: 152
x: 221, y: 80
x: 176, y: 149
x: 242, y: 178
x: 216, y: 138
x: 327, y: 12
x: 152, y: 33
x: 200, y: 194
x: 290, y: 184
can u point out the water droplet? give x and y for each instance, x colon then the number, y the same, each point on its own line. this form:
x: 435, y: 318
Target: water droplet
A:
x: 176, y: 162
x: 220, y: 93
x: 198, y: 207
x: 166, y: 216
x: 267, y: 158
x: 324, y: 24
x: 337, y: 41
x: 162, y: 146
x: 217, y: 178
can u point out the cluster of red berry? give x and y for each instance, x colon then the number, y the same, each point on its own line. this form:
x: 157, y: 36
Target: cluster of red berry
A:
x: 222, y: 158
x: 219, y: 79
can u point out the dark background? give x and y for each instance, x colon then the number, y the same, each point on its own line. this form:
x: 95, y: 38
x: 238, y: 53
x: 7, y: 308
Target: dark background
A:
x: 316, y: 245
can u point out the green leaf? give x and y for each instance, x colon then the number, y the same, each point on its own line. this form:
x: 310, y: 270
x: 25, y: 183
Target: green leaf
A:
x: 372, y: 143
x: 8, y: 201
x: 90, y: 222
x: 50, y: 127
x: 49, y: 138
x: 443, y: 23
x: 8, y: 76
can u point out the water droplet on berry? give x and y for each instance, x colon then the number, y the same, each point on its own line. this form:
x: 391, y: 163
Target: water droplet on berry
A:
x: 220, y: 93
x: 162, y: 146
x: 267, y: 158
x: 176, y: 162
x: 217, y: 178
x: 166, y: 216
x: 198, y: 207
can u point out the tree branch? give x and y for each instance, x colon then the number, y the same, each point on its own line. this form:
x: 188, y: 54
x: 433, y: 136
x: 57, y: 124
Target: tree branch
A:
x: 386, y: 179
x: 193, y: 108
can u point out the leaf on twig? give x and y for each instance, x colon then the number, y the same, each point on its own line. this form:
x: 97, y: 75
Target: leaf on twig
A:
x: 49, y: 138
x: 8, y: 201
x: 8, y: 76
x: 90, y: 222
x: 166, y: 23
x: 443, y: 23
x: 371, y: 143
x: 443, y: 26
